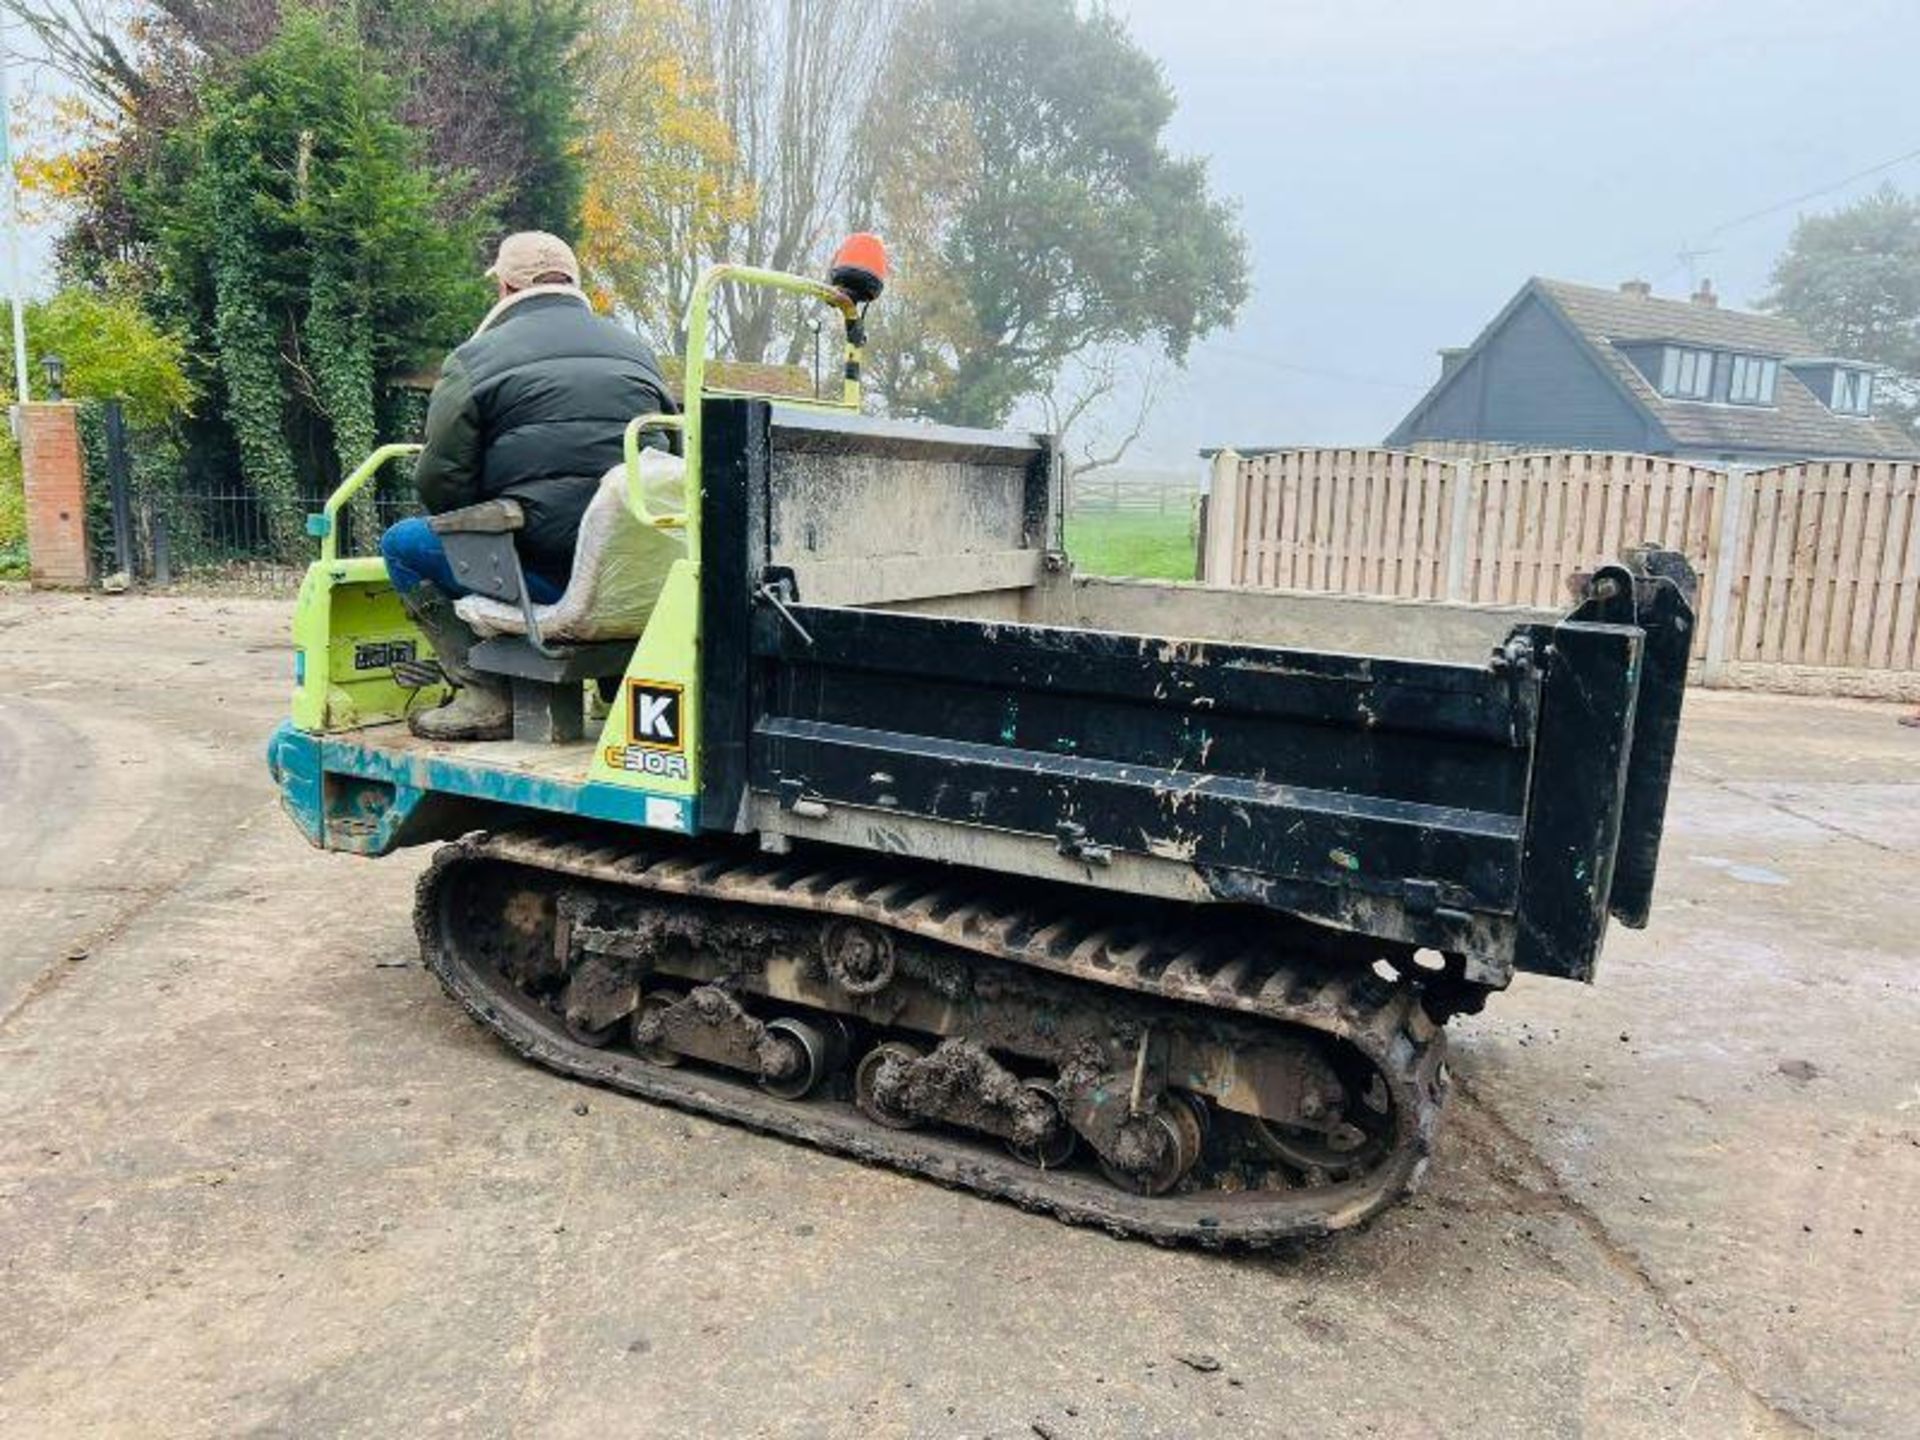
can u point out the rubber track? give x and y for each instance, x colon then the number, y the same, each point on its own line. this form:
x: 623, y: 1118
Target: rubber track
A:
x: 1194, y: 960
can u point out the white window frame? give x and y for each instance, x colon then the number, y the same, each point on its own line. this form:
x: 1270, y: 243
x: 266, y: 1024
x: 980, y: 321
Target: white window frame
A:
x: 1751, y: 380
x: 1852, y: 392
x: 1689, y: 367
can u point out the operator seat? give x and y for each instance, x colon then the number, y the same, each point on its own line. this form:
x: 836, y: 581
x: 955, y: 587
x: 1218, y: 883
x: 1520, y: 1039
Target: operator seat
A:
x: 620, y: 565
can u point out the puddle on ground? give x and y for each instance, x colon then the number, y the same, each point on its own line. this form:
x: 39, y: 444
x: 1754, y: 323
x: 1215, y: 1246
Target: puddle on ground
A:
x: 1746, y: 874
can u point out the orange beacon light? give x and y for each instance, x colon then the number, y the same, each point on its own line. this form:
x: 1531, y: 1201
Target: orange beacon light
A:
x: 860, y: 268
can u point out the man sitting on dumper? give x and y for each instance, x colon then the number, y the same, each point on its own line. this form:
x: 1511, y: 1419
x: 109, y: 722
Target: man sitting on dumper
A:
x: 532, y: 408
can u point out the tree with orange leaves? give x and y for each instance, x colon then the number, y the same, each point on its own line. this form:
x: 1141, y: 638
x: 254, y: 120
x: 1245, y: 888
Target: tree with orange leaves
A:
x: 663, y: 189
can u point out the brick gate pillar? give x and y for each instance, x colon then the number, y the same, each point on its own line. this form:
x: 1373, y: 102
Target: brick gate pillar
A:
x: 56, y: 493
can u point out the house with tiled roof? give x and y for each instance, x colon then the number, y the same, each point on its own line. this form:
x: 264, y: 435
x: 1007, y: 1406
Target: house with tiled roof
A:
x: 1573, y: 367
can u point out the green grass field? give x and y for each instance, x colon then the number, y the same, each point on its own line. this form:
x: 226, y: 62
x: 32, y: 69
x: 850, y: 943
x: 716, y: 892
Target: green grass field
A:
x: 1132, y: 544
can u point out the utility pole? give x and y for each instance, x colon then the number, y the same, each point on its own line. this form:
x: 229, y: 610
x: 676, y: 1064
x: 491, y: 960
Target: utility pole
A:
x: 12, y: 185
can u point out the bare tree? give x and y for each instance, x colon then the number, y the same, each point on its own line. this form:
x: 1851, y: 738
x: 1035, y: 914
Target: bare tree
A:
x: 224, y: 27
x: 1100, y: 406
x: 87, y: 43
x: 111, y: 50
x: 152, y: 56
x: 792, y: 82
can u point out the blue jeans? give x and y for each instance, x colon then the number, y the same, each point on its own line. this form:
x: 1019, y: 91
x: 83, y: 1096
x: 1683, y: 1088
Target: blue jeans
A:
x: 413, y: 553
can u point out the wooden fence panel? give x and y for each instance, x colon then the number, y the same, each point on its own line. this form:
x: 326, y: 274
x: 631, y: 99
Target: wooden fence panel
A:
x: 1844, y: 567
x: 1436, y: 507
x: 1823, y: 558
x: 1545, y: 516
x: 1287, y: 489
x: 1868, y: 527
x: 1888, y: 524
x: 1259, y: 528
x: 1903, y: 639
x: 1904, y: 644
x: 1755, y: 572
x: 1337, y: 477
x: 1365, y: 521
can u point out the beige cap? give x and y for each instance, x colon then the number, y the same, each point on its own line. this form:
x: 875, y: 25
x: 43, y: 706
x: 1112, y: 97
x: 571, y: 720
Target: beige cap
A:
x: 526, y: 256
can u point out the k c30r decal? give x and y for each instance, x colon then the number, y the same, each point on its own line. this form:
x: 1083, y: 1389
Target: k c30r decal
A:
x: 654, y: 715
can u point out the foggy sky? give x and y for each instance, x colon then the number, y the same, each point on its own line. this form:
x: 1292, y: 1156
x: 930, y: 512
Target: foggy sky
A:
x: 1404, y: 167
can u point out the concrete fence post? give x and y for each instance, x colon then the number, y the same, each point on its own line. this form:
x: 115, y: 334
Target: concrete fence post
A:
x: 1466, y: 475
x: 58, y: 557
x: 1223, y: 539
x: 1723, y: 560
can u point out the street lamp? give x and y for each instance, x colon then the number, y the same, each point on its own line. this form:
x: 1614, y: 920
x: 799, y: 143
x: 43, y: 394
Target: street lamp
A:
x: 10, y: 218
x: 55, y: 370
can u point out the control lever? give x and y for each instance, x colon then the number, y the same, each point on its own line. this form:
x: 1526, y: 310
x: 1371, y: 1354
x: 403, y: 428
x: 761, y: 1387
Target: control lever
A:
x: 777, y: 589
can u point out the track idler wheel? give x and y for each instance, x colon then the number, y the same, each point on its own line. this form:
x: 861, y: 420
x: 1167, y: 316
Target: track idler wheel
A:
x: 1345, y: 1139
x: 872, y: 1084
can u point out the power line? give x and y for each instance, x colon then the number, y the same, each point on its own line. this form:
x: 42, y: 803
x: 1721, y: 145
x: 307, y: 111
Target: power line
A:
x: 1779, y: 205
x: 1688, y: 252
x: 1686, y: 255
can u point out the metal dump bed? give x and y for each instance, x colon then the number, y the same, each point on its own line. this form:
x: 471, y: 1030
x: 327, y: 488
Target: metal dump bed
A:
x: 926, y: 677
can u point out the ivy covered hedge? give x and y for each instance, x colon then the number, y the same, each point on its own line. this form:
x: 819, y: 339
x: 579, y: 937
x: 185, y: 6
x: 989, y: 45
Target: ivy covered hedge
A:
x: 300, y: 247
x: 302, y: 213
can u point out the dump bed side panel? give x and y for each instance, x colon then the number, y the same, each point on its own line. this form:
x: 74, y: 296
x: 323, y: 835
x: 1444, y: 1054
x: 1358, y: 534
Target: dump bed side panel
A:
x: 1329, y: 775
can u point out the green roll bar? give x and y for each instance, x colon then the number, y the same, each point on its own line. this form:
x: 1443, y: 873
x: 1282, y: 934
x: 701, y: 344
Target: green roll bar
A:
x: 326, y: 525
x: 699, y: 313
x: 636, y: 491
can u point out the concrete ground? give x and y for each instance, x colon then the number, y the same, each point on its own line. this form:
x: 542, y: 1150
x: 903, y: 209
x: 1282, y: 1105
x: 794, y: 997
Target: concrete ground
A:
x: 258, y: 1176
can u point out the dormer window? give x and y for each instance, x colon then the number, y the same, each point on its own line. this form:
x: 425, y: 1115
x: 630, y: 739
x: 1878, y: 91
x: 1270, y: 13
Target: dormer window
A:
x: 1686, y: 374
x: 1751, y: 379
x: 1852, y: 392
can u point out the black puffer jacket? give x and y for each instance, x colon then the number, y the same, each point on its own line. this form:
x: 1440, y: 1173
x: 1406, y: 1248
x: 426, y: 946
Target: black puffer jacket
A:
x: 533, y: 408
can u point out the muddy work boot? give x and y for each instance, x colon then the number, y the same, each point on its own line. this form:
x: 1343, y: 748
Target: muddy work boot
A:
x: 482, y: 704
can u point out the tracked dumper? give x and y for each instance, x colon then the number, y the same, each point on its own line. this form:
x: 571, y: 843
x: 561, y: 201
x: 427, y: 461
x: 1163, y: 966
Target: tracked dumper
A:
x: 1145, y: 905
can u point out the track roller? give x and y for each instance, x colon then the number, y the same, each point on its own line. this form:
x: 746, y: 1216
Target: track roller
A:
x: 1052, y: 1153
x: 1153, y: 1152
x: 808, y: 1054
x: 867, y: 1087
x: 652, y: 1002
x: 594, y: 1038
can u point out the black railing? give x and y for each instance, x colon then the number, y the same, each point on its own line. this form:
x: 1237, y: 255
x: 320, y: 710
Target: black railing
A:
x: 158, y: 520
